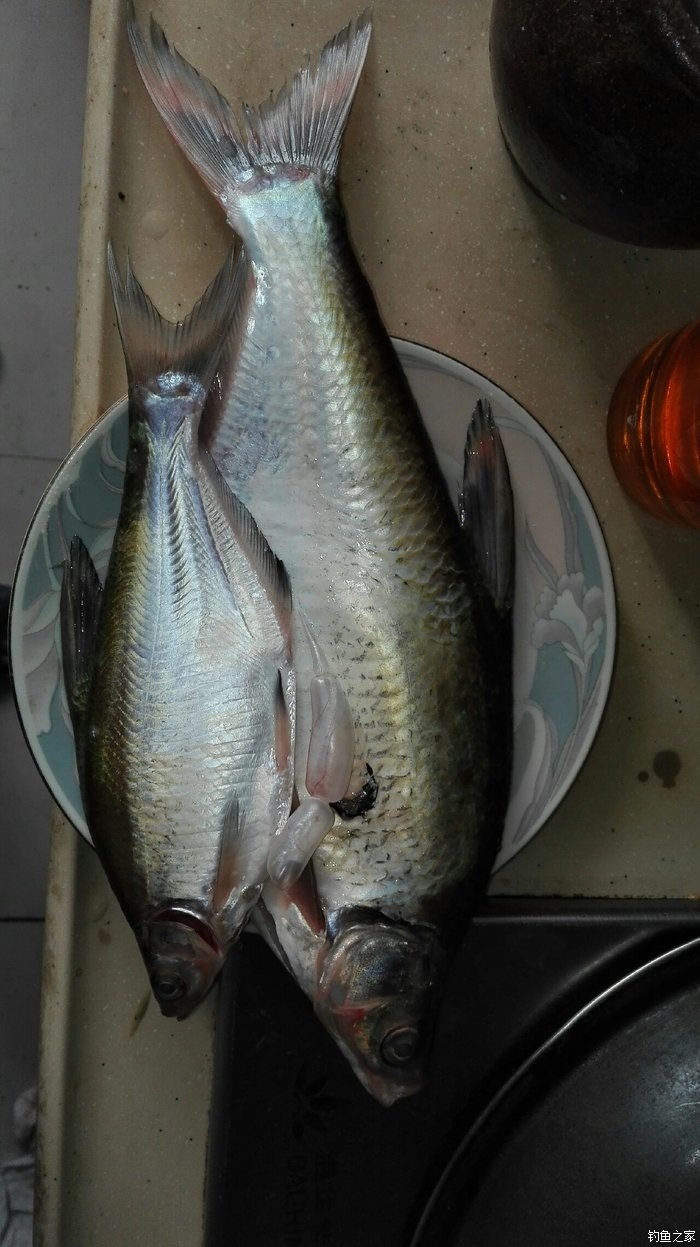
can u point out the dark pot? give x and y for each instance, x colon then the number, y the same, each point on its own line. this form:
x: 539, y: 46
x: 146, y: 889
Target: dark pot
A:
x: 599, y: 104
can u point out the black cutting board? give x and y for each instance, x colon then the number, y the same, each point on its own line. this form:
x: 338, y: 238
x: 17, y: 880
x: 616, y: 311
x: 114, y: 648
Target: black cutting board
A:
x: 534, y: 1128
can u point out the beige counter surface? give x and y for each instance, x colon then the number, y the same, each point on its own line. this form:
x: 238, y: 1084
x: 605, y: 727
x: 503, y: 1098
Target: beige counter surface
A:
x: 462, y: 258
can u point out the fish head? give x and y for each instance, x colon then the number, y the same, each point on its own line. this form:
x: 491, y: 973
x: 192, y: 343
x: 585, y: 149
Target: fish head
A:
x: 377, y: 996
x: 183, y: 957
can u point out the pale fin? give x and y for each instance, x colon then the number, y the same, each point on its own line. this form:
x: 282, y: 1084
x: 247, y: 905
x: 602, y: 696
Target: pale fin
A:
x: 294, y: 846
x: 226, y: 872
x: 154, y: 346
x: 332, y: 743
x: 253, y: 543
x: 81, y: 596
x: 217, y: 396
x: 485, y: 504
x: 303, y: 895
x: 302, y: 126
x: 283, y: 729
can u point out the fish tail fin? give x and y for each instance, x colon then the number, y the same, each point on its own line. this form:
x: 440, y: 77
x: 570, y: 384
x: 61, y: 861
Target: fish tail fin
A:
x: 302, y: 126
x: 153, y: 345
x: 486, y: 505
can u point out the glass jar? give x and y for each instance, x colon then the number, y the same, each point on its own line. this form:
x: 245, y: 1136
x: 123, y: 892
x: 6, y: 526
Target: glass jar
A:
x: 654, y: 427
x: 599, y: 106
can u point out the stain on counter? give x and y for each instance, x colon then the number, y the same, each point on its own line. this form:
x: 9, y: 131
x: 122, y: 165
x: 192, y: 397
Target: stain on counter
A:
x: 667, y: 765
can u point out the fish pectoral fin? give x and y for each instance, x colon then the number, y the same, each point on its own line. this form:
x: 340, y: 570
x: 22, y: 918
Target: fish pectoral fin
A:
x: 295, y: 844
x: 485, y: 504
x: 153, y: 345
x: 331, y: 753
x: 226, y: 877
x: 81, y: 597
x: 303, y: 895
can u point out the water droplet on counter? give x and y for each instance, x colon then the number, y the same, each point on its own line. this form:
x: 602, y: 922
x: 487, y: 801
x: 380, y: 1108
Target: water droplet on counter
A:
x: 155, y: 223
x: 97, y: 902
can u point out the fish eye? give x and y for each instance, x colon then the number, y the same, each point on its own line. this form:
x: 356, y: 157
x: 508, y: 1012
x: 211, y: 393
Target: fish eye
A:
x: 400, y: 1045
x: 168, y: 986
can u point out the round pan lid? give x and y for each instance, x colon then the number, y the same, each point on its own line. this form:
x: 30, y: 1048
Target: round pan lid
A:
x: 595, y: 1138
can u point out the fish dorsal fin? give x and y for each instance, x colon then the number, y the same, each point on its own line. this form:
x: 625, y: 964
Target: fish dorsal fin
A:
x: 81, y: 597
x: 154, y: 346
x: 485, y: 505
x: 303, y: 125
x: 219, y: 391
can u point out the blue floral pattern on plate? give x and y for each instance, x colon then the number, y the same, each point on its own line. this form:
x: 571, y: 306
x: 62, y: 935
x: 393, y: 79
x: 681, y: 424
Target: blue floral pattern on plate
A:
x: 564, y: 603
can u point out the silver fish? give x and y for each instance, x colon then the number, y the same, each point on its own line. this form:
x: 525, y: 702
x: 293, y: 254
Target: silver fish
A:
x: 375, y: 979
x: 402, y: 626
x: 179, y: 670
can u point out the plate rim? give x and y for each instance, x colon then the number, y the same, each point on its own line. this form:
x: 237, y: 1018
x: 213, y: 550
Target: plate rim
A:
x: 410, y: 351
x: 545, y: 439
x: 65, y: 805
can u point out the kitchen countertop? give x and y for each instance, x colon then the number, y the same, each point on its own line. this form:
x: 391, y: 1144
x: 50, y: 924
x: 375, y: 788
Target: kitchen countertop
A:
x: 463, y: 258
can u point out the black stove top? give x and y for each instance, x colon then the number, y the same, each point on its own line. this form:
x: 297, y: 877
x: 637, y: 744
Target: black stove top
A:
x: 563, y: 1106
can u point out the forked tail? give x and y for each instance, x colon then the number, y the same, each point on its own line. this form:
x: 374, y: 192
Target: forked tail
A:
x: 154, y: 346
x: 302, y: 127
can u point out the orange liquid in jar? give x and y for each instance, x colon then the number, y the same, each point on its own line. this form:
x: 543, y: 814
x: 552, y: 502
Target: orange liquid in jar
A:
x: 654, y: 427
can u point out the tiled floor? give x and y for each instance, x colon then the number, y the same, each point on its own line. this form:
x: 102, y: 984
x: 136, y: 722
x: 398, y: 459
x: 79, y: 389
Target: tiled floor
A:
x: 43, y: 52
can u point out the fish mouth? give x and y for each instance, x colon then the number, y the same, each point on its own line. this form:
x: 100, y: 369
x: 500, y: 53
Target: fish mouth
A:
x: 395, y: 1081
x: 388, y: 1093
x: 183, y: 957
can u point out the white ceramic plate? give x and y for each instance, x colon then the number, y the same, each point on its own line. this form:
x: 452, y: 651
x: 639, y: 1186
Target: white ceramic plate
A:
x: 564, y: 605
